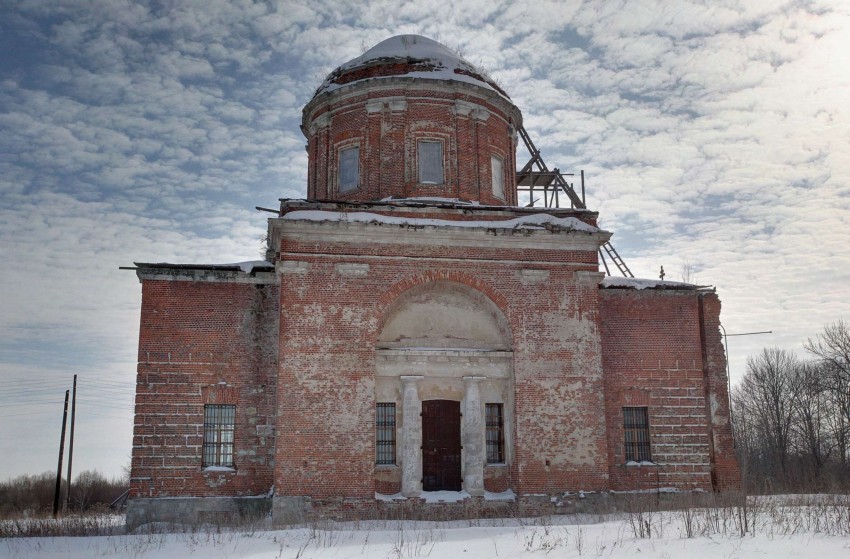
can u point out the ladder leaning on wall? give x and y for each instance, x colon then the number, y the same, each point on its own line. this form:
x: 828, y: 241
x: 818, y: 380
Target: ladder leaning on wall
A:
x: 537, y: 179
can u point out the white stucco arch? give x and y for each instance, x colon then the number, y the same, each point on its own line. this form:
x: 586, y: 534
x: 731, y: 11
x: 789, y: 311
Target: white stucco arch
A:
x: 444, y: 315
x: 444, y: 340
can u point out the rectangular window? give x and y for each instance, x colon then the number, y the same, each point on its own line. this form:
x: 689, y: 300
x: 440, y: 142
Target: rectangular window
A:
x: 219, y: 425
x: 497, y: 175
x: 495, y: 425
x: 636, y: 431
x: 349, y: 168
x: 385, y: 433
x: 430, y: 162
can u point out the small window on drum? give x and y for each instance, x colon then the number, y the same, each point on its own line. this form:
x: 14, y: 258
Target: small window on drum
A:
x: 497, y: 176
x: 430, y: 154
x: 349, y: 168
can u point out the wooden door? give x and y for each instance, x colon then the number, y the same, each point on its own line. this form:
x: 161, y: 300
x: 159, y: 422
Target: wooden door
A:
x: 441, y: 445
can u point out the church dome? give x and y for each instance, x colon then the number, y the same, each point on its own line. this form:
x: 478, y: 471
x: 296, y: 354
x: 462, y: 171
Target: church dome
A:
x: 409, y: 118
x: 412, y: 56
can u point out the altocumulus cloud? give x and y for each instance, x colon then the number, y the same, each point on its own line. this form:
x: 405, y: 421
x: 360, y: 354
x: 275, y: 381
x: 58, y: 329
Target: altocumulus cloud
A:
x: 715, y: 133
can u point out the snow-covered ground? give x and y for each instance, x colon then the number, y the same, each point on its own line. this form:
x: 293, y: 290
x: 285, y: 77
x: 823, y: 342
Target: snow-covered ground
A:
x: 781, y: 532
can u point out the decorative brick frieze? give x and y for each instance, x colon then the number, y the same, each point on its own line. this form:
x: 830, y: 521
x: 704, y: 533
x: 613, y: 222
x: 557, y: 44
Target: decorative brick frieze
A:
x: 292, y: 267
x: 352, y: 270
x: 533, y: 277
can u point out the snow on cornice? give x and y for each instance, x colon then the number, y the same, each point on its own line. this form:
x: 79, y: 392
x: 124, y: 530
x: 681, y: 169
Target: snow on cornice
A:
x: 247, y: 267
x: 427, y: 199
x: 639, y: 283
x: 537, y: 221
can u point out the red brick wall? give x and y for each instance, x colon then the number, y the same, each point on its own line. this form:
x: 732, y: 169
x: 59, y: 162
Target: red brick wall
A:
x: 329, y: 330
x: 653, y: 355
x: 388, y: 144
x: 727, y: 471
x: 217, y: 342
x: 193, y: 337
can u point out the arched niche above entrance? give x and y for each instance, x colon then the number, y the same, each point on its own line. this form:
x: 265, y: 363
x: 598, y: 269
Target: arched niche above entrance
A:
x: 444, y: 315
x: 443, y: 341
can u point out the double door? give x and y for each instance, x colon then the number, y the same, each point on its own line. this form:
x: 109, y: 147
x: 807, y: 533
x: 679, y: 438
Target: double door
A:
x: 441, y: 449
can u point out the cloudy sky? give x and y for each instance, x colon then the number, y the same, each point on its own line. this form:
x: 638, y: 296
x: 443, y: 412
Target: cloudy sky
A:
x: 712, y: 133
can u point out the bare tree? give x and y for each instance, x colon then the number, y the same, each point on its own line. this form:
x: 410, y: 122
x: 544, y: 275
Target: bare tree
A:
x: 687, y: 272
x: 832, y: 349
x: 792, y: 418
x: 810, y: 426
x: 833, y: 346
x: 768, y: 393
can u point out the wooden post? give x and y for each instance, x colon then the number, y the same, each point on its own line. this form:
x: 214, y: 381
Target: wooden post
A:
x: 61, y: 450
x: 71, y: 442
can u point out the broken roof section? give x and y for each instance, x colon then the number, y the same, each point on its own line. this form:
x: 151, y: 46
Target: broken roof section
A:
x: 408, y: 55
x: 612, y: 282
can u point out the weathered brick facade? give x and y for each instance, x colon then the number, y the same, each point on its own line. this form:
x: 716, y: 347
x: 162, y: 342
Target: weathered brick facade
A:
x: 373, y: 295
x: 662, y: 350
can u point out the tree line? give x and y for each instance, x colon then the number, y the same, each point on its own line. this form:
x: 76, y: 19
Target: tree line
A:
x: 791, y: 417
x: 33, y: 494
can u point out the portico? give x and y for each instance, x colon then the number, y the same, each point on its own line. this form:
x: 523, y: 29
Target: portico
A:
x: 441, y: 391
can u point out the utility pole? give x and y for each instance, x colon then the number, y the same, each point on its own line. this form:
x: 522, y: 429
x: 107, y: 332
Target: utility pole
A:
x: 71, y: 443
x: 61, y: 450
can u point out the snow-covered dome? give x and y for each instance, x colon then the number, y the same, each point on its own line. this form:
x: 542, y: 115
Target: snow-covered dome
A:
x: 412, y: 56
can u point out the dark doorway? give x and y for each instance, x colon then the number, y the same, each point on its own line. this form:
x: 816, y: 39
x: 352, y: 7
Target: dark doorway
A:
x: 441, y: 445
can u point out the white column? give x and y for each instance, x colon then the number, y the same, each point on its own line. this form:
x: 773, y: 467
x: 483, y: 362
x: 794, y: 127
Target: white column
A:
x: 472, y: 437
x: 411, y: 437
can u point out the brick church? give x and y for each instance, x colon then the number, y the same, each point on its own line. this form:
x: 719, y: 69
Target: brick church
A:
x: 416, y: 338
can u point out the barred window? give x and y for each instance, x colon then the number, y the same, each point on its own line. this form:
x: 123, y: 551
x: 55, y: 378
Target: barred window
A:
x: 349, y: 169
x: 495, y: 425
x: 219, y: 424
x: 430, y: 162
x: 497, y: 176
x: 636, y: 430
x: 385, y: 433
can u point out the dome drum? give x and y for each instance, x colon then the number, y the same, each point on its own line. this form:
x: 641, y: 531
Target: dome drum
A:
x: 375, y: 132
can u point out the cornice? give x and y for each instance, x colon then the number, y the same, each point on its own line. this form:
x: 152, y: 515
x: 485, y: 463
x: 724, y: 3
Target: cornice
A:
x: 344, y: 232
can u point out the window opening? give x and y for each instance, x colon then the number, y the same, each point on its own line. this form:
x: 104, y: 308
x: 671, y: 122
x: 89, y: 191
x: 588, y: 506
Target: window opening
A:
x: 385, y: 433
x: 497, y: 175
x: 349, y: 168
x: 430, y: 162
x: 495, y: 425
x: 636, y: 430
x: 219, y: 425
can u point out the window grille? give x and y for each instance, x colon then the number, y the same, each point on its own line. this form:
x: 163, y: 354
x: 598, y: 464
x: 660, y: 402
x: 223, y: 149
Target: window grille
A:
x: 636, y: 431
x: 430, y: 162
x: 385, y: 433
x: 349, y: 169
x: 497, y: 175
x: 495, y: 426
x: 219, y: 425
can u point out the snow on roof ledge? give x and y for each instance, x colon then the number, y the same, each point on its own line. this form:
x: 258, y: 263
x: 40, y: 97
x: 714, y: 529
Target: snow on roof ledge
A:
x: 248, y: 266
x: 638, y: 283
x: 427, y: 199
x: 537, y: 221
